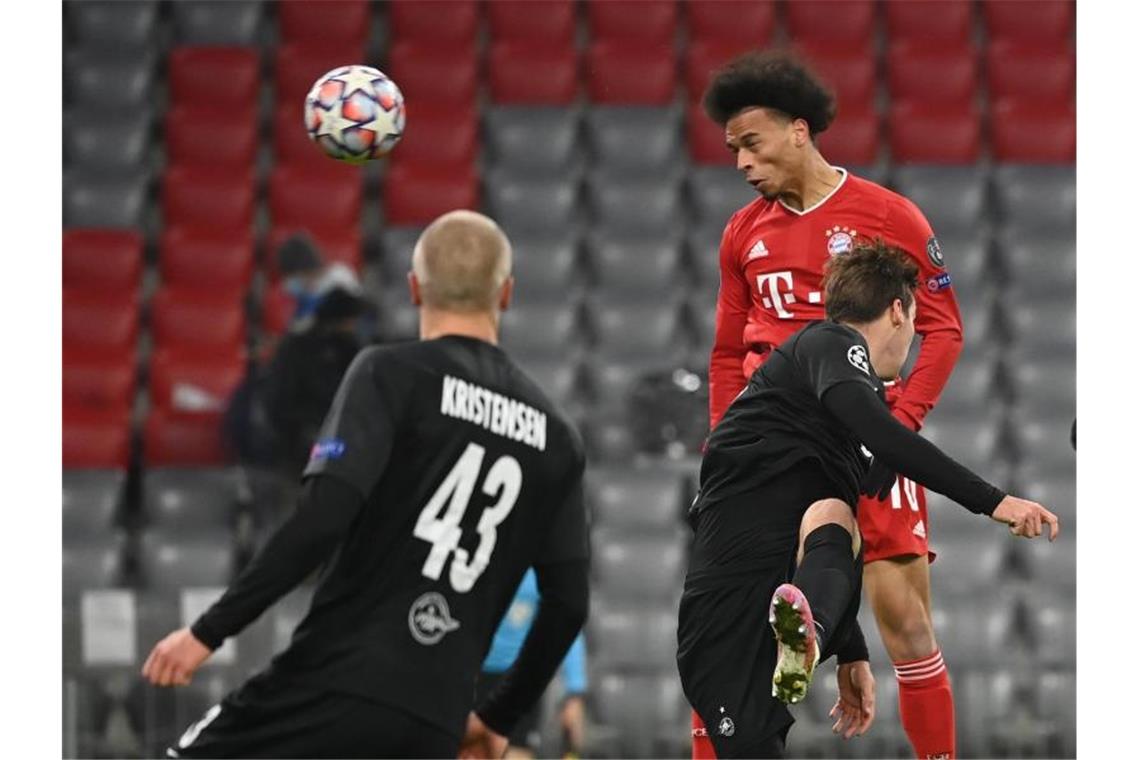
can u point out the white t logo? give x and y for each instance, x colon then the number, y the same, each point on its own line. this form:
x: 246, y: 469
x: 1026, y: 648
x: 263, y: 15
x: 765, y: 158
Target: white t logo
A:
x: 775, y: 299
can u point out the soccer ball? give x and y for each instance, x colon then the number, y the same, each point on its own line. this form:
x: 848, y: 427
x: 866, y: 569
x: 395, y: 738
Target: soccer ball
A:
x: 355, y: 114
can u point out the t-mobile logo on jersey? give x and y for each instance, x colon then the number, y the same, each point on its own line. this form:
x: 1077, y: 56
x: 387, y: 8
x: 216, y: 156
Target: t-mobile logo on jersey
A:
x: 776, y: 292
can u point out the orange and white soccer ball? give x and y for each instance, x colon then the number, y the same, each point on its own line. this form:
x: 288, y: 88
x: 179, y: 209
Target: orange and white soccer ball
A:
x: 355, y: 114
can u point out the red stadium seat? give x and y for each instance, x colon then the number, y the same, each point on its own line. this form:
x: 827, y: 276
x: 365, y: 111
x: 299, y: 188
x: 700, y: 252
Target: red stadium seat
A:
x: 831, y: 20
x: 1046, y: 71
x: 96, y: 438
x: 325, y: 22
x: 206, y: 258
x: 1034, y: 132
x: 291, y: 142
x: 533, y: 73
x: 198, y: 135
x: 946, y: 21
x: 339, y: 244
x: 932, y: 133
x: 516, y: 20
x: 630, y: 73
x: 720, y: 21
x: 99, y: 320
x: 297, y: 68
x: 98, y: 379
x: 189, y: 382
x: 300, y: 197
x: 633, y: 20
x: 198, y: 319
x: 1030, y: 21
x: 703, y: 58
x: 705, y: 138
x: 433, y: 74
x: 105, y: 259
x: 414, y: 195
x: 171, y: 440
x: 214, y: 76
x: 935, y: 72
x: 443, y: 137
x: 850, y: 70
x: 441, y: 21
x: 214, y: 197
x: 277, y: 308
x: 852, y: 139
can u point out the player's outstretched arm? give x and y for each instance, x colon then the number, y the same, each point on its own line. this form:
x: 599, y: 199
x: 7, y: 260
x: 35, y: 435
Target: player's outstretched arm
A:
x: 326, y: 509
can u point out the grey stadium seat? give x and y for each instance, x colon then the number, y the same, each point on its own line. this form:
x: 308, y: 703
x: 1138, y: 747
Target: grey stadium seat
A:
x: 1057, y: 705
x: 1037, y: 201
x: 968, y: 261
x: 214, y: 23
x: 540, y: 330
x: 1043, y: 269
x: 968, y: 560
x: 983, y: 699
x: 98, y: 139
x: 638, y: 567
x: 973, y: 440
x: 636, y: 207
x: 716, y: 193
x: 637, y: 139
x: 1044, y: 443
x: 523, y: 204
x: 1044, y: 386
x: 608, y: 439
x: 631, y: 638
x: 1057, y: 493
x: 99, y: 199
x: 971, y: 387
x: 637, y: 267
x: 648, y: 714
x: 91, y: 501
x: 1040, y: 325
x: 978, y: 629
x: 532, y: 140
x: 544, y: 268
x: 703, y: 318
x: 191, y: 500
x: 112, y: 24
x: 399, y: 319
x: 1054, y: 564
x: 93, y: 563
x: 638, y: 331
x: 109, y: 80
x: 953, y: 199
x: 703, y: 242
x: 1055, y: 629
x: 556, y: 376
x: 168, y: 563
x: 635, y: 499
x: 397, y: 244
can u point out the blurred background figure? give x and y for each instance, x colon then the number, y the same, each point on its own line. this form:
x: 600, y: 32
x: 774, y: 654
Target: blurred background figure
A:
x: 526, y: 741
x: 308, y: 278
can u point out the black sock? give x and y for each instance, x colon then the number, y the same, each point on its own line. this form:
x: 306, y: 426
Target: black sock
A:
x: 826, y: 576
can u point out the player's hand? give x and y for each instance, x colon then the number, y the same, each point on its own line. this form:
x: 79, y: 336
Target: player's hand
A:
x: 878, y: 481
x: 1026, y: 518
x: 173, y: 660
x: 854, y: 711
x: 573, y: 720
x: 481, y: 743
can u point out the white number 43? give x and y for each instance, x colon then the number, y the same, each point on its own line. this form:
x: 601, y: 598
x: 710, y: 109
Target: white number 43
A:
x: 443, y: 533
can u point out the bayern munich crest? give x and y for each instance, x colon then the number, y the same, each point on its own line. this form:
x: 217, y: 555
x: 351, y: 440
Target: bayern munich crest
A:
x: 840, y: 240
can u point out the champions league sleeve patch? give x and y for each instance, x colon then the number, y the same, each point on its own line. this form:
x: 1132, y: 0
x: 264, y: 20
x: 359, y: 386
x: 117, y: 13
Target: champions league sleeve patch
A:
x: 328, y: 449
x: 938, y: 282
x: 934, y: 252
x: 857, y: 355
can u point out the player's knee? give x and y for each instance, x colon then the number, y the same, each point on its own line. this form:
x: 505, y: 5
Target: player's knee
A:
x: 827, y: 511
x: 908, y: 633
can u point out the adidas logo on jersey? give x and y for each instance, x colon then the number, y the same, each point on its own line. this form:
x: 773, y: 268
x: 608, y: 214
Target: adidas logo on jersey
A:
x: 758, y: 250
x: 919, y: 529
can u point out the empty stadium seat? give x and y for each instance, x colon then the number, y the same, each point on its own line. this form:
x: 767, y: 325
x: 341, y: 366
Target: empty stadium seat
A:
x: 291, y: 141
x: 396, y: 245
x: 932, y: 133
x: 203, y: 258
x: 635, y: 500
x: 336, y: 244
x: 536, y: 140
x: 531, y: 204
x: 213, y: 197
x: 1057, y: 706
x: 196, y: 500
x: 103, y: 139
x: 1033, y: 132
x: 526, y: 72
x: 1044, y: 387
x: 109, y: 79
x: 169, y: 563
x: 1042, y: 268
x: 417, y: 195
x: 198, y: 135
x: 637, y: 567
x: 632, y: 639
x: 633, y: 20
x: 1036, y: 20
x: 113, y: 24
x: 557, y: 377
x: 1043, y: 443
x: 648, y: 713
x: 634, y: 139
x: 964, y: 561
x: 448, y: 20
x: 337, y: 22
x: 852, y: 140
x: 723, y: 20
x: 103, y: 259
x: 444, y: 137
x: 544, y: 267
x: 972, y: 382
x: 183, y: 440
x: 974, y: 441
x: 214, y: 76
x: 636, y: 267
x: 1054, y: 563
x: 716, y: 193
x: 198, y: 318
x: 96, y: 438
x: 703, y: 242
x: 434, y: 75
x: 831, y: 20
x: 1037, y: 201
x: 515, y: 20
x: 99, y: 379
x: 213, y: 23
x: 632, y: 331
x: 91, y: 502
x: 93, y: 563
x: 99, y: 320
x: 1059, y: 495
x: 1055, y: 630
x: 926, y: 71
x: 96, y: 198
x: 297, y: 67
x: 955, y: 200
x: 302, y: 197
x: 631, y: 72
x: 849, y: 69
x: 705, y: 139
x: 189, y: 383
x: 704, y: 56
x: 608, y: 439
x: 547, y: 330
x: 632, y: 206
x: 938, y: 21
x: 399, y: 319
x: 1031, y: 70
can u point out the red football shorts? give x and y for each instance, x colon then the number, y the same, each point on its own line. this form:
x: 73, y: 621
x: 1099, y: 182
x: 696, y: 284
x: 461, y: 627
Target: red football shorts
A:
x: 895, y: 526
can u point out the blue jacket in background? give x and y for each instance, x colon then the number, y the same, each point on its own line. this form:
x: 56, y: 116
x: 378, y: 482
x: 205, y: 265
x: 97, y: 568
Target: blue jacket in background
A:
x: 512, y: 631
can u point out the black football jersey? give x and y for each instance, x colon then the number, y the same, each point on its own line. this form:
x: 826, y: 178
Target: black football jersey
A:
x: 470, y: 475
x: 779, y: 418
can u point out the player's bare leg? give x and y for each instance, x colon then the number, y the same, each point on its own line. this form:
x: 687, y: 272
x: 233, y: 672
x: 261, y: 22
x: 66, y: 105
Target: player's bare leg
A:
x: 899, y: 590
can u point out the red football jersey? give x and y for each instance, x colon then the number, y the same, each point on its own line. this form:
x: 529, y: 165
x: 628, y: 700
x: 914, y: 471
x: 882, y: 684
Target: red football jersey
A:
x: 771, y: 264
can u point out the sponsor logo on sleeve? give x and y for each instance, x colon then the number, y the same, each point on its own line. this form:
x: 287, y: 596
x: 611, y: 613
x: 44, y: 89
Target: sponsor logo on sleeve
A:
x: 938, y: 282
x: 327, y: 449
x: 857, y: 355
x: 934, y: 252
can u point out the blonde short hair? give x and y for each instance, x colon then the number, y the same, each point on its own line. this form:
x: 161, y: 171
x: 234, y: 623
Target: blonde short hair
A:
x: 461, y: 261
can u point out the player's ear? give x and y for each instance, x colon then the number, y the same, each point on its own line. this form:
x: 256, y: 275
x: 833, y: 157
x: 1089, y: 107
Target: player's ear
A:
x: 414, y: 289
x: 505, y: 294
x: 801, y: 133
x: 898, y: 313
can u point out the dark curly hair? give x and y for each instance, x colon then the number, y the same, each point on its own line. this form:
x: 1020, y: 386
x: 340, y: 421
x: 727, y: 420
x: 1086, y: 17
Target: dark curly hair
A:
x: 776, y: 79
x: 859, y: 286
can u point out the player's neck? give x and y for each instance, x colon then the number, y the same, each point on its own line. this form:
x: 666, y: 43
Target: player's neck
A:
x: 436, y: 324
x: 817, y: 180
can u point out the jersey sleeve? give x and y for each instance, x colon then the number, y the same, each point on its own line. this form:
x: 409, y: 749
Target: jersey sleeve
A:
x: 566, y: 538
x: 356, y: 438
x: 829, y: 355
x: 937, y: 318
x: 726, y: 370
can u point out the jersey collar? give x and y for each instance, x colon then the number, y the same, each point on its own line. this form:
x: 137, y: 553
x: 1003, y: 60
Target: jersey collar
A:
x: 821, y: 201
